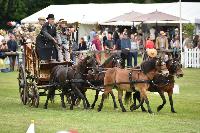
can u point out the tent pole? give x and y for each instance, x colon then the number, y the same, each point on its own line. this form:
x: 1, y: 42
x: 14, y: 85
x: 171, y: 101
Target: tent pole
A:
x: 181, y: 38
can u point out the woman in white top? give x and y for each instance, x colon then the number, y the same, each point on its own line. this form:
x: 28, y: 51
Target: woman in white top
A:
x: 134, y: 49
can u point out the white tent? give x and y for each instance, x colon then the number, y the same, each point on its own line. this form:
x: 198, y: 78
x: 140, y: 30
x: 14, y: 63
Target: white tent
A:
x: 99, y: 13
x: 88, y: 15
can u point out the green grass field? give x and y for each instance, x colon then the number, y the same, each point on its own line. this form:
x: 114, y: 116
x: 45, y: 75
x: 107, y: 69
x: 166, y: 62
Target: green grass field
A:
x: 15, y: 117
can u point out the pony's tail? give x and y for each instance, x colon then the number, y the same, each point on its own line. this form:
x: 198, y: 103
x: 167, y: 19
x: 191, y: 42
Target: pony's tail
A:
x: 128, y: 97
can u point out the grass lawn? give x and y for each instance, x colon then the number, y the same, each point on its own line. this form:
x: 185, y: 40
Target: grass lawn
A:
x: 15, y: 117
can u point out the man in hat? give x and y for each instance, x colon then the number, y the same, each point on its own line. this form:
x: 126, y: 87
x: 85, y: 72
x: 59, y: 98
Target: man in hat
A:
x: 162, y: 44
x: 46, y: 41
x: 162, y: 41
x: 38, y: 26
x: 63, y: 41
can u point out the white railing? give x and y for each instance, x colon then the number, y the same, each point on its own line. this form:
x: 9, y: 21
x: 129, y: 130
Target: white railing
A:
x: 192, y: 58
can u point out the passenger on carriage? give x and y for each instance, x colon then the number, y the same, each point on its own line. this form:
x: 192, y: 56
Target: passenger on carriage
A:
x: 46, y: 41
x: 63, y: 41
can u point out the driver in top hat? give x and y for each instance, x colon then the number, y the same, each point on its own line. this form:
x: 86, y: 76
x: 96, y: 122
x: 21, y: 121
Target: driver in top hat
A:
x: 46, y: 42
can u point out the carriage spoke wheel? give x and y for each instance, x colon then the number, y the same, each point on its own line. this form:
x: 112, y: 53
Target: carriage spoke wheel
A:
x: 22, y: 85
x: 33, y: 95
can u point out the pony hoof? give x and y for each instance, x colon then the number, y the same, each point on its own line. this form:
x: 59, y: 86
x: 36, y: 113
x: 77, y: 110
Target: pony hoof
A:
x: 123, y: 110
x: 159, y: 108
x: 92, y: 107
x: 99, y: 109
x: 144, y: 110
x: 173, y: 111
x: 64, y: 106
x: 150, y: 112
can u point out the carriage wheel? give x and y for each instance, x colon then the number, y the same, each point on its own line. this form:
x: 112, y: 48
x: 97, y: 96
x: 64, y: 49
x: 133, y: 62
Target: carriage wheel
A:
x: 33, y: 95
x: 22, y: 85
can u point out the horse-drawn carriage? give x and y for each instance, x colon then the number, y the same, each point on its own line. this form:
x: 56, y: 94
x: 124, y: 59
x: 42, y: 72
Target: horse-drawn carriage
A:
x: 38, y: 78
x: 34, y: 75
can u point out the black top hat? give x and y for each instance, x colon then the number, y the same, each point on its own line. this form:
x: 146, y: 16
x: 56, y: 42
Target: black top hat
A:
x: 50, y: 16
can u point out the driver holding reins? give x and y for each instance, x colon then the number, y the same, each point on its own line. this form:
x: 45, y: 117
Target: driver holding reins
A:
x: 46, y: 42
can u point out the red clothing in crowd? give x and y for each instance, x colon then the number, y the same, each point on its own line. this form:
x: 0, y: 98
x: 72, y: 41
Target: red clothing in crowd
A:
x: 97, y: 43
x: 149, y: 44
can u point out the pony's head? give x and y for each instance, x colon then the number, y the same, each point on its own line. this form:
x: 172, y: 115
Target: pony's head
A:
x: 175, y: 67
x: 156, y: 64
x: 88, y: 63
x: 113, y: 61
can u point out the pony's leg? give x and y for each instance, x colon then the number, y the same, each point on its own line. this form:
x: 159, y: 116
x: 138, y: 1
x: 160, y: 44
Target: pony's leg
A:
x: 136, y: 96
x: 120, y: 94
x: 144, y: 95
x: 78, y: 93
x: 171, y: 101
x: 73, y: 98
x: 62, y: 95
x: 95, y: 99
x: 163, y: 99
x: 101, y: 104
x: 48, y: 97
x: 87, y: 102
x: 134, y: 107
x: 52, y: 98
x: 114, y: 101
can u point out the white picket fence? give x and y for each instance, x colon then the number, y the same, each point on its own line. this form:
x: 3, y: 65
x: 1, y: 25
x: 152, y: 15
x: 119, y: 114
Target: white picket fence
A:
x: 192, y: 58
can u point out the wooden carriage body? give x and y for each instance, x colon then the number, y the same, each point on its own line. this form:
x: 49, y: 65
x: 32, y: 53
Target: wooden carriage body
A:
x: 34, y: 75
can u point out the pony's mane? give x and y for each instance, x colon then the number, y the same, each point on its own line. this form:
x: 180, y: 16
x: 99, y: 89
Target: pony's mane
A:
x: 82, y: 64
x: 148, y: 66
x: 108, y: 59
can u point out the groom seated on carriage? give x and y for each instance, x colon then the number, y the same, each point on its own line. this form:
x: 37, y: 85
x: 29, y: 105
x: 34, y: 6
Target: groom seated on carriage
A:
x: 46, y: 42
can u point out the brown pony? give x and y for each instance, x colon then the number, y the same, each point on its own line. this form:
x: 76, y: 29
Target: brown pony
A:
x: 98, y: 79
x: 123, y: 80
x: 163, y: 84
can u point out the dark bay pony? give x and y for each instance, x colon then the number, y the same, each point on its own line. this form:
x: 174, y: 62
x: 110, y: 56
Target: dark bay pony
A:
x: 163, y: 84
x: 98, y: 79
x: 122, y: 79
x: 64, y: 78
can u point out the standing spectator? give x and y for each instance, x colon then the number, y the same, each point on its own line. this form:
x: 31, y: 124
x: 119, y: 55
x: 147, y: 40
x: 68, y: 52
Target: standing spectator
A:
x: 109, y: 43
x: 162, y: 41
x: 116, y: 35
x: 187, y: 42
x: 149, y: 43
x: 176, y: 46
x: 118, y: 42
x: 82, y: 45
x: 3, y: 45
x: 125, y: 47
x: 92, y: 35
x: 12, y: 47
x: 195, y: 41
x: 1, y: 36
x: 134, y: 50
x: 125, y: 31
x: 97, y: 44
x: 104, y: 38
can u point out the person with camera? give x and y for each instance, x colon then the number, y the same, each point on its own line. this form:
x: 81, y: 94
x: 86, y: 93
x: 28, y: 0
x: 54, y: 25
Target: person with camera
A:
x: 63, y: 41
